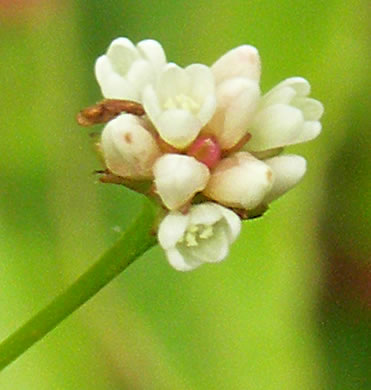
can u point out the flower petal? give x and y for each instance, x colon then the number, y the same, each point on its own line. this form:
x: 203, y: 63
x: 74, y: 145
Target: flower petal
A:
x: 275, y: 126
x: 181, y: 262
x: 172, y: 229
x: 299, y: 84
x: 205, y: 214
x: 173, y: 81
x: 311, y: 130
x: 288, y: 171
x: 122, y: 53
x: 239, y: 181
x: 212, y: 250
x: 113, y: 85
x: 178, y: 178
x: 177, y: 127
x: 141, y: 73
x: 237, y: 100
x: 152, y: 51
x: 203, y: 82
x: 233, y: 223
x: 312, y: 109
x: 128, y: 148
x: 242, y: 61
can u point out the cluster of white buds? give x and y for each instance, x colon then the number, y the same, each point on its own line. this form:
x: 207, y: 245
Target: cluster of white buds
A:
x: 205, y: 139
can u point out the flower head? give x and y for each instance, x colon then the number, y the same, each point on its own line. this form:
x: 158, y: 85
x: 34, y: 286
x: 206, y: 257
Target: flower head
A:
x: 204, y: 139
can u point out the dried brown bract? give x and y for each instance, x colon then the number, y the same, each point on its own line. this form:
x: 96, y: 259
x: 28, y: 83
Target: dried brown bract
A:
x: 106, y: 110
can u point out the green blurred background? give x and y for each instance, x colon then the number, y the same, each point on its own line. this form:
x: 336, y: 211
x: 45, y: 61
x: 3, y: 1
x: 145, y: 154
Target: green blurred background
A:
x: 289, y: 309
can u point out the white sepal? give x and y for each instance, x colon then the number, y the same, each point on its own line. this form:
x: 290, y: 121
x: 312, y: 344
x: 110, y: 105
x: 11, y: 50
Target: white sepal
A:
x: 288, y: 170
x: 128, y: 148
x: 240, y: 181
x: 242, y: 61
x: 178, y: 178
x: 181, y: 102
x: 201, y: 236
x: 125, y: 69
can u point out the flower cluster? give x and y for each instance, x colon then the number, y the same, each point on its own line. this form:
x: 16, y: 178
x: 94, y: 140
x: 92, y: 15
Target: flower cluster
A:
x: 208, y: 142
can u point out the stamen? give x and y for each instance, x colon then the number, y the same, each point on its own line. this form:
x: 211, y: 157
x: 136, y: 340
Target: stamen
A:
x: 181, y: 101
x: 207, y: 232
x: 190, y: 239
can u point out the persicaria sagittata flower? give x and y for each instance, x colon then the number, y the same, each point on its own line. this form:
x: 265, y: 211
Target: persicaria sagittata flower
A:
x: 205, y: 139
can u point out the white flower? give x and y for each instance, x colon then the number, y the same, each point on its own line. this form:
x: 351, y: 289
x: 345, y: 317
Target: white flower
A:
x: 123, y: 72
x: 285, y: 116
x: 180, y: 102
x: 237, y: 75
x: 288, y: 170
x: 178, y: 178
x: 128, y: 147
x: 201, y: 236
x: 240, y: 181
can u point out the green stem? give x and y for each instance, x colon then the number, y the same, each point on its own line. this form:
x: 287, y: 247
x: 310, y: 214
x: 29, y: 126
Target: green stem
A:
x: 132, y: 244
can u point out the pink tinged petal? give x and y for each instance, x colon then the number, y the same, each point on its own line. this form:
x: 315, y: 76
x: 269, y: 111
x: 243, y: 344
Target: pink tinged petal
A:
x: 240, y: 181
x: 178, y: 178
x: 242, y: 61
x: 237, y: 100
x: 112, y: 84
x: 180, y: 262
x: 153, y: 52
x: 128, y: 148
x: 178, y: 128
x: 275, y: 126
x: 288, y: 171
x: 239, y: 116
x: 122, y: 53
x: 312, y: 109
x: 172, y: 229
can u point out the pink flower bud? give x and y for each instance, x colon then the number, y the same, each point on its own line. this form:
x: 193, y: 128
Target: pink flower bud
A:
x: 206, y: 149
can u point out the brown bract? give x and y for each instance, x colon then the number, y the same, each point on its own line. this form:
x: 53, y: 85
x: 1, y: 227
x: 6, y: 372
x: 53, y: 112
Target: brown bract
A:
x: 106, y: 110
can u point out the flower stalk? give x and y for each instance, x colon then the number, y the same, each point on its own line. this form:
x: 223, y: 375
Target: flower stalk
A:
x: 133, y: 243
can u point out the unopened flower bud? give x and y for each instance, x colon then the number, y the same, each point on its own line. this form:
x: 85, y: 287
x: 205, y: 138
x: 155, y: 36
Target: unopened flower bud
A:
x: 288, y: 171
x: 178, y: 178
x: 237, y: 101
x: 205, y: 149
x: 128, y: 148
x: 240, y: 181
x: 242, y: 61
